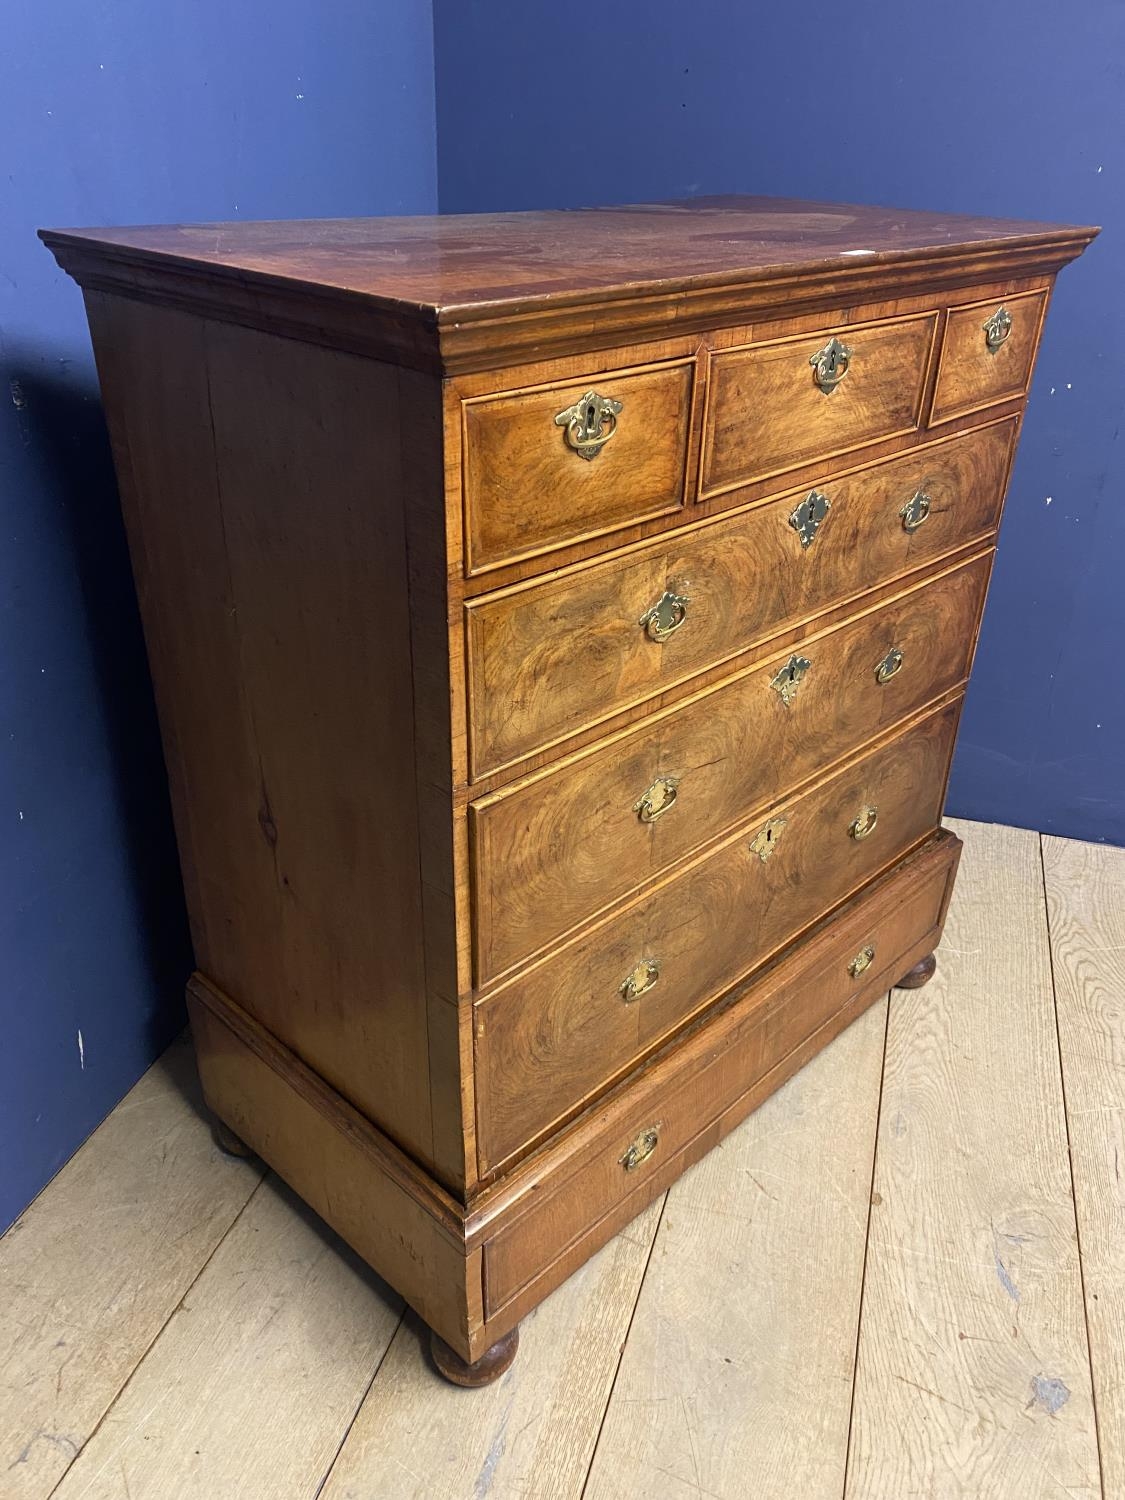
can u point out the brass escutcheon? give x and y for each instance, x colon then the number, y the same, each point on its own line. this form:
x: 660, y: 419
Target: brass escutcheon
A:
x: 996, y: 329
x: 786, y: 682
x: 890, y: 664
x: 806, y: 519
x: 765, y: 840
x: 830, y: 365
x: 641, y: 1149
x: 660, y: 796
x: 915, y: 511
x: 666, y: 616
x: 865, y: 823
x: 640, y: 979
x: 861, y: 961
x: 590, y: 423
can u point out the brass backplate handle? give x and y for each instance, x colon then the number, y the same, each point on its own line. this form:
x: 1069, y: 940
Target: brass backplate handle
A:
x: 915, y: 511
x: 655, y: 802
x: 641, y: 1149
x: 996, y: 329
x: 830, y: 365
x: 666, y: 616
x: 806, y: 519
x: 864, y: 824
x: 863, y: 960
x: 890, y: 664
x: 788, y: 679
x: 590, y: 423
x: 640, y: 979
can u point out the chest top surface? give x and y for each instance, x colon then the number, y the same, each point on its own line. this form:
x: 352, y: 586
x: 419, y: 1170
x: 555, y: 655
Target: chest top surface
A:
x: 453, y: 291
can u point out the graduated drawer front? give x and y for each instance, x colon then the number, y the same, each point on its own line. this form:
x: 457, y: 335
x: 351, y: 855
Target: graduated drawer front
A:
x: 549, y: 658
x: 973, y: 375
x: 564, y: 1030
x: 698, y: 1094
x: 552, y: 851
x: 527, y: 489
x: 767, y: 414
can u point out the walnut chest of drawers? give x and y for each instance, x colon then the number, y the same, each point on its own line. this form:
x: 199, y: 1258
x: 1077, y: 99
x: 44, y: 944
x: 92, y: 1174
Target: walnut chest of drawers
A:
x: 559, y: 625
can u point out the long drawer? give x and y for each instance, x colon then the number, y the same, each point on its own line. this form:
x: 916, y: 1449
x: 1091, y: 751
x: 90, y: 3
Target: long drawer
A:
x: 679, y: 1108
x: 549, y: 658
x: 553, y: 850
x: 563, y: 1030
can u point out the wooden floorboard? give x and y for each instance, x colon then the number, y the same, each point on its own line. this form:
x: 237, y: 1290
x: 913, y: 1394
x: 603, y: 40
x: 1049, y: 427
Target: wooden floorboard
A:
x: 872, y: 1291
x: 737, y: 1377
x: 256, y: 1376
x: 95, y: 1267
x: 529, y: 1435
x: 1085, y: 886
x: 973, y: 1373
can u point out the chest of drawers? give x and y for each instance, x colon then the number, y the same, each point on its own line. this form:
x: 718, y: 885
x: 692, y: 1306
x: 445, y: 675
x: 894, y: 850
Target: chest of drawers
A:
x: 559, y: 624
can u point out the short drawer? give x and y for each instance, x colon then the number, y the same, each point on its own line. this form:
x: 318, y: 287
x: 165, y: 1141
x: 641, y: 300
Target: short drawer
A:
x: 550, y: 852
x: 987, y: 354
x: 780, y: 405
x: 557, y: 463
x: 698, y: 1092
x: 549, y: 658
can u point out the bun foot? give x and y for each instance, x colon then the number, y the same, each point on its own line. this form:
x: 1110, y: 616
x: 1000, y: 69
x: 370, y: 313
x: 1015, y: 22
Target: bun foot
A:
x: 489, y: 1367
x: 919, y: 975
x: 226, y: 1140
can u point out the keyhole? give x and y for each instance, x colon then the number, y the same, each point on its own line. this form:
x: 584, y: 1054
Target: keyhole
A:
x: 792, y: 674
x: 769, y: 835
x: 590, y: 417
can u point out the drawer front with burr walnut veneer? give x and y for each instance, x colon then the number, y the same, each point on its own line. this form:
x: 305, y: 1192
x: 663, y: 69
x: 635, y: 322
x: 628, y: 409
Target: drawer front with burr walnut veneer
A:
x: 558, y: 675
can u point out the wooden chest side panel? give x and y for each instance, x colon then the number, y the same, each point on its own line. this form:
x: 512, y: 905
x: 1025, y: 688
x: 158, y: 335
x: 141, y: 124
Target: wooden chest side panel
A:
x: 374, y: 1200
x: 262, y: 488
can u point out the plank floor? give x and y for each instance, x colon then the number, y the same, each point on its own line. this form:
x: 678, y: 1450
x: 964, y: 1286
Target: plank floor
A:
x: 903, y: 1276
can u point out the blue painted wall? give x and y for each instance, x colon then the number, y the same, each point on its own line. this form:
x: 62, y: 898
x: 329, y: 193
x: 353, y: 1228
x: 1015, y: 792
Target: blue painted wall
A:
x: 119, y: 114
x: 994, y: 109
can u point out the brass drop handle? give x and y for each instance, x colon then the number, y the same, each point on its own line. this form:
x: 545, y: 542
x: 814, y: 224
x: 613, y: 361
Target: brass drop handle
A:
x: 640, y: 979
x: 641, y: 1149
x: 915, y: 511
x: 863, y: 825
x: 889, y: 666
x: 665, y: 617
x: 589, y: 424
x: 863, y: 960
x: 830, y: 365
x: 996, y: 329
x: 660, y: 796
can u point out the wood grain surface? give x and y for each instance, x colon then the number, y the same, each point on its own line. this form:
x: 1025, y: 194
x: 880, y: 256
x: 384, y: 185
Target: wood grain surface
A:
x: 547, y: 659
x: 276, y: 1341
x: 759, y: 1270
x: 554, y: 850
x: 766, y: 412
x: 971, y: 375
x: 552, y: 1038
x: 471, y: 290
x: 748, y: 1387
x: 973, y: 1374
x: 1085, y: 886
x: 94, y: 1269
